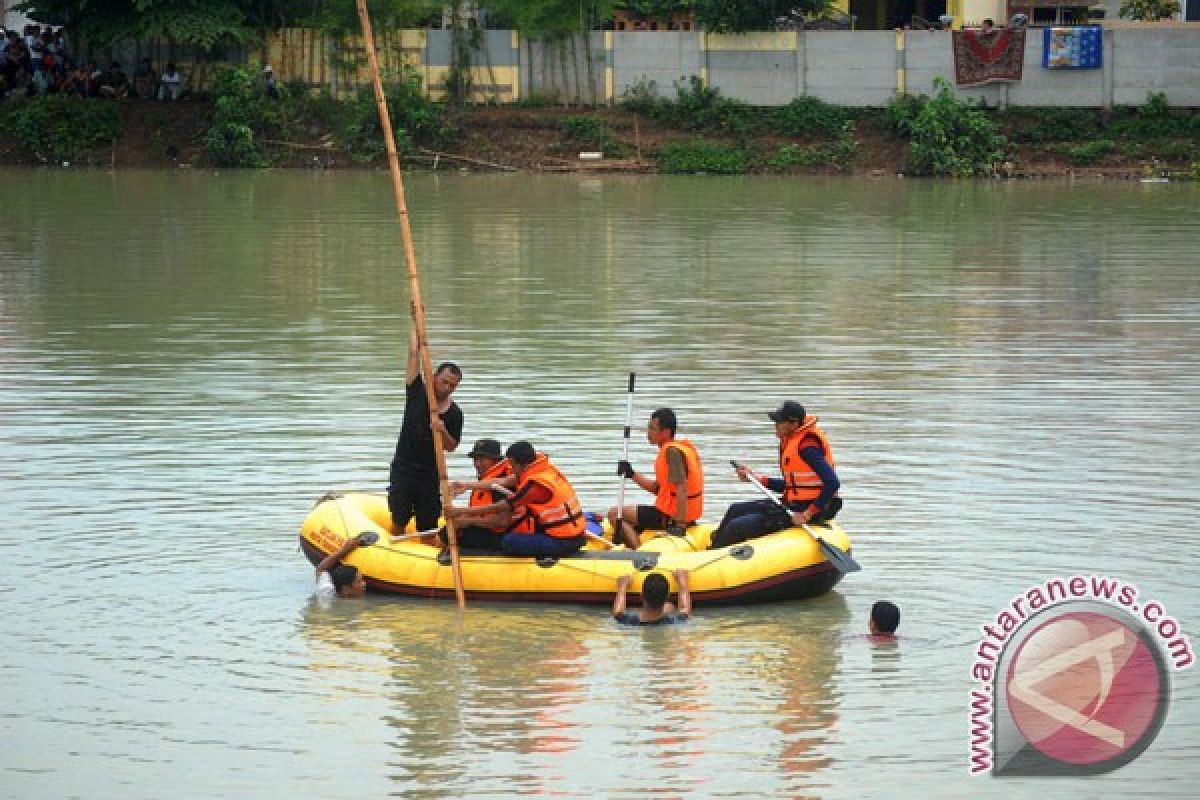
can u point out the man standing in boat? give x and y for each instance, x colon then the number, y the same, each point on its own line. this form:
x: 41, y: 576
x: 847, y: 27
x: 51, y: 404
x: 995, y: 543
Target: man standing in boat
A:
x: 547, y: 516
x: 678, y: 485
x: 809, y: 484
x: 414, y: 487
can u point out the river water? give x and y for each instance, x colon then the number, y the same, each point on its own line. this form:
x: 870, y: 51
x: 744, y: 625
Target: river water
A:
x: 1009, y: 374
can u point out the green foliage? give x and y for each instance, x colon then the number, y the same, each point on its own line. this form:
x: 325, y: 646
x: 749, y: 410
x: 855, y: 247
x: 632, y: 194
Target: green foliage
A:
x: 740, y: 16
x: 809, y: 116
x: 1154, y: 120
x: 60, y: 127
x: 642, y: 97
x: 1149, y: 10
x: 1091, y: 152
x: 900, y: 113
x: 240, y: 120
x: 1177, y: 151
x: 1053, y: 124
x: 202, y: 23
x: 416, y: 120
x: 696, y: 107
x: 591, y: 132
x: 837, y: 152
x: 949, y: 137
x: 703, y: 157
x: 552, y: 19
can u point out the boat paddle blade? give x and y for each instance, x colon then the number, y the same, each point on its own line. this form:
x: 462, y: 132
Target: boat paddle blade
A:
x: 841, y: 560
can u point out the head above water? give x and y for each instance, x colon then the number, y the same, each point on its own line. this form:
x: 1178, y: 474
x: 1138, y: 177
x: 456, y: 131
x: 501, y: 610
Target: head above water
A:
x: 885, y: 617
x: 348, y: 581
x: 655, y: 590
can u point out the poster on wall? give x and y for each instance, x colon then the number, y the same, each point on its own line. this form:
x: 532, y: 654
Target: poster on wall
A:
x: 1074, y: 47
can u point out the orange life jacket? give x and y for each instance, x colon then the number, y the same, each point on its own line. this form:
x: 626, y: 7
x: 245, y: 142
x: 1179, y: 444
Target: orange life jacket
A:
x: 801, y: 484
x: 485, y: 497
x: 562, y: 515
x: 667, y: 498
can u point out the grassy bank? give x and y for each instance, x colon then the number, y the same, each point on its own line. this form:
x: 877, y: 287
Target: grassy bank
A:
x: 693, y: 130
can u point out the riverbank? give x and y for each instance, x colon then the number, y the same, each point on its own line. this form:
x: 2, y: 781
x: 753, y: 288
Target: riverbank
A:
x: 1047, y: 143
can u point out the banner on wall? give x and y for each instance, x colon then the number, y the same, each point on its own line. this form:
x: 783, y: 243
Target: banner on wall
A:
x: 1074, y: 47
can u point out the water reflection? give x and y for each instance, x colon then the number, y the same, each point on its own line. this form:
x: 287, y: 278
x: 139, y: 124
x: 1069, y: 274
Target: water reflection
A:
x: 534, y: 699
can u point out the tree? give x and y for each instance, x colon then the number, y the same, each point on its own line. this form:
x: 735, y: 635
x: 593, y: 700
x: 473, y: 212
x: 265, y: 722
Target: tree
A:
x: 740, y: 16
x: 200, y: 23
x: 1149, y: 10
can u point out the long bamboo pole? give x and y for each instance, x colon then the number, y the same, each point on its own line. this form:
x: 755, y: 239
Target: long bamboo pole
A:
x: 418, y: 309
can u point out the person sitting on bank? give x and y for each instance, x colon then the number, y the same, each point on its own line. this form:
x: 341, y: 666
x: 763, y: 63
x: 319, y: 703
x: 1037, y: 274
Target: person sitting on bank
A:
x: 473, y: 528
x: 114, y: 84
x: 655, y: 609
x: 335, y: 579
x: 885, y: 618
x: 809, y: 483
x: 678, y: 485
x: 170, y: 85
x: 143, y: 80
x: 547, y: 516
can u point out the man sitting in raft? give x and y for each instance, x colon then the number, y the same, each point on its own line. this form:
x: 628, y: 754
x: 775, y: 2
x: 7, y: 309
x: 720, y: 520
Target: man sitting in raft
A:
x: 475, y: 529
x: 335, y: 579
x: 547, y: 515
x: 809, y: 483
x: 655, y: 609
x: 678, y: 485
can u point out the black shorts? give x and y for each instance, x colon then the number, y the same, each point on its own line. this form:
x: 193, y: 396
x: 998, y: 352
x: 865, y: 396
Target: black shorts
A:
x: 649, y: 518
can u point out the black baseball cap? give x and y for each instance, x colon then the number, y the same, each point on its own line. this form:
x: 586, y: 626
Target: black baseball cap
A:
x: 489, y: 448
x: 790, y: 410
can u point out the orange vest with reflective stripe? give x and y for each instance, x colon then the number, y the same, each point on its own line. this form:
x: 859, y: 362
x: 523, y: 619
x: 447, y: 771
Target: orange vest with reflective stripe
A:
x: 667, y: 492
x: 801, y: 484
x: 562, y: 515
x: 485, y: 497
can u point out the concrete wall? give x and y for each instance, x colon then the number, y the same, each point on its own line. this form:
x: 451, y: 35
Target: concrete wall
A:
x: 852, y: 68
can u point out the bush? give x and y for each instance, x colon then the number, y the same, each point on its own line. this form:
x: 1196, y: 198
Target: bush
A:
x: 809, y: 116
x: 900, y: 113
x: 1091, y: 152
x: 591, y: 132
x: 949, y: 137
x: 698, y: 107
x: 1054, y: 124
x: 642, y: 97
x: 697, y: 157
x: 837, y: 152
x: 61, y: 127
x: 416, y: 120
x: 1152, y: 121
x: 240, y: 120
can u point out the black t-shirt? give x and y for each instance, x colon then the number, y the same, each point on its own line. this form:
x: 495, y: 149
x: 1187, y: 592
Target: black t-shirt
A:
x: 414, y: 447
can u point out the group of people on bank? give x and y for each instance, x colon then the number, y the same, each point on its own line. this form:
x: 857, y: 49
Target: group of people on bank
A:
x: 522, y: 504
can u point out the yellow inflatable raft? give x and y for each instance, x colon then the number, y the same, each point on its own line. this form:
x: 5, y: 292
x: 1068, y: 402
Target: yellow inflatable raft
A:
x: 782, y: 566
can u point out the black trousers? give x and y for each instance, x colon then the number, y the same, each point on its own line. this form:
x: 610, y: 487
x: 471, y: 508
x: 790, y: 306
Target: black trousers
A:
x: 414, y: 491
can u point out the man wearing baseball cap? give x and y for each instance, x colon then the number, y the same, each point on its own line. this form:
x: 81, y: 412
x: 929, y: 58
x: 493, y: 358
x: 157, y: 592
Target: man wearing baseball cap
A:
x: 809, y: 484
x: 478, y: 529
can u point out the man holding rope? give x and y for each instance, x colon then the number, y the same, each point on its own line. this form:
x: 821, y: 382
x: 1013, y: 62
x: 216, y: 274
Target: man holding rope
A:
x: 415, y: 487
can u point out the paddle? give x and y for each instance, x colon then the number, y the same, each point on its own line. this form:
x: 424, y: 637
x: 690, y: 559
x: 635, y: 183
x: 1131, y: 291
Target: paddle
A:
x: 619, y: 521
x: 418, y: 308
x: 841, y: 560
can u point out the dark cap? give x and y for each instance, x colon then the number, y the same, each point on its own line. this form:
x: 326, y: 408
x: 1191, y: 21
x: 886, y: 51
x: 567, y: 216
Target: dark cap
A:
x: 488, y: 448
x: 790, y: 410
